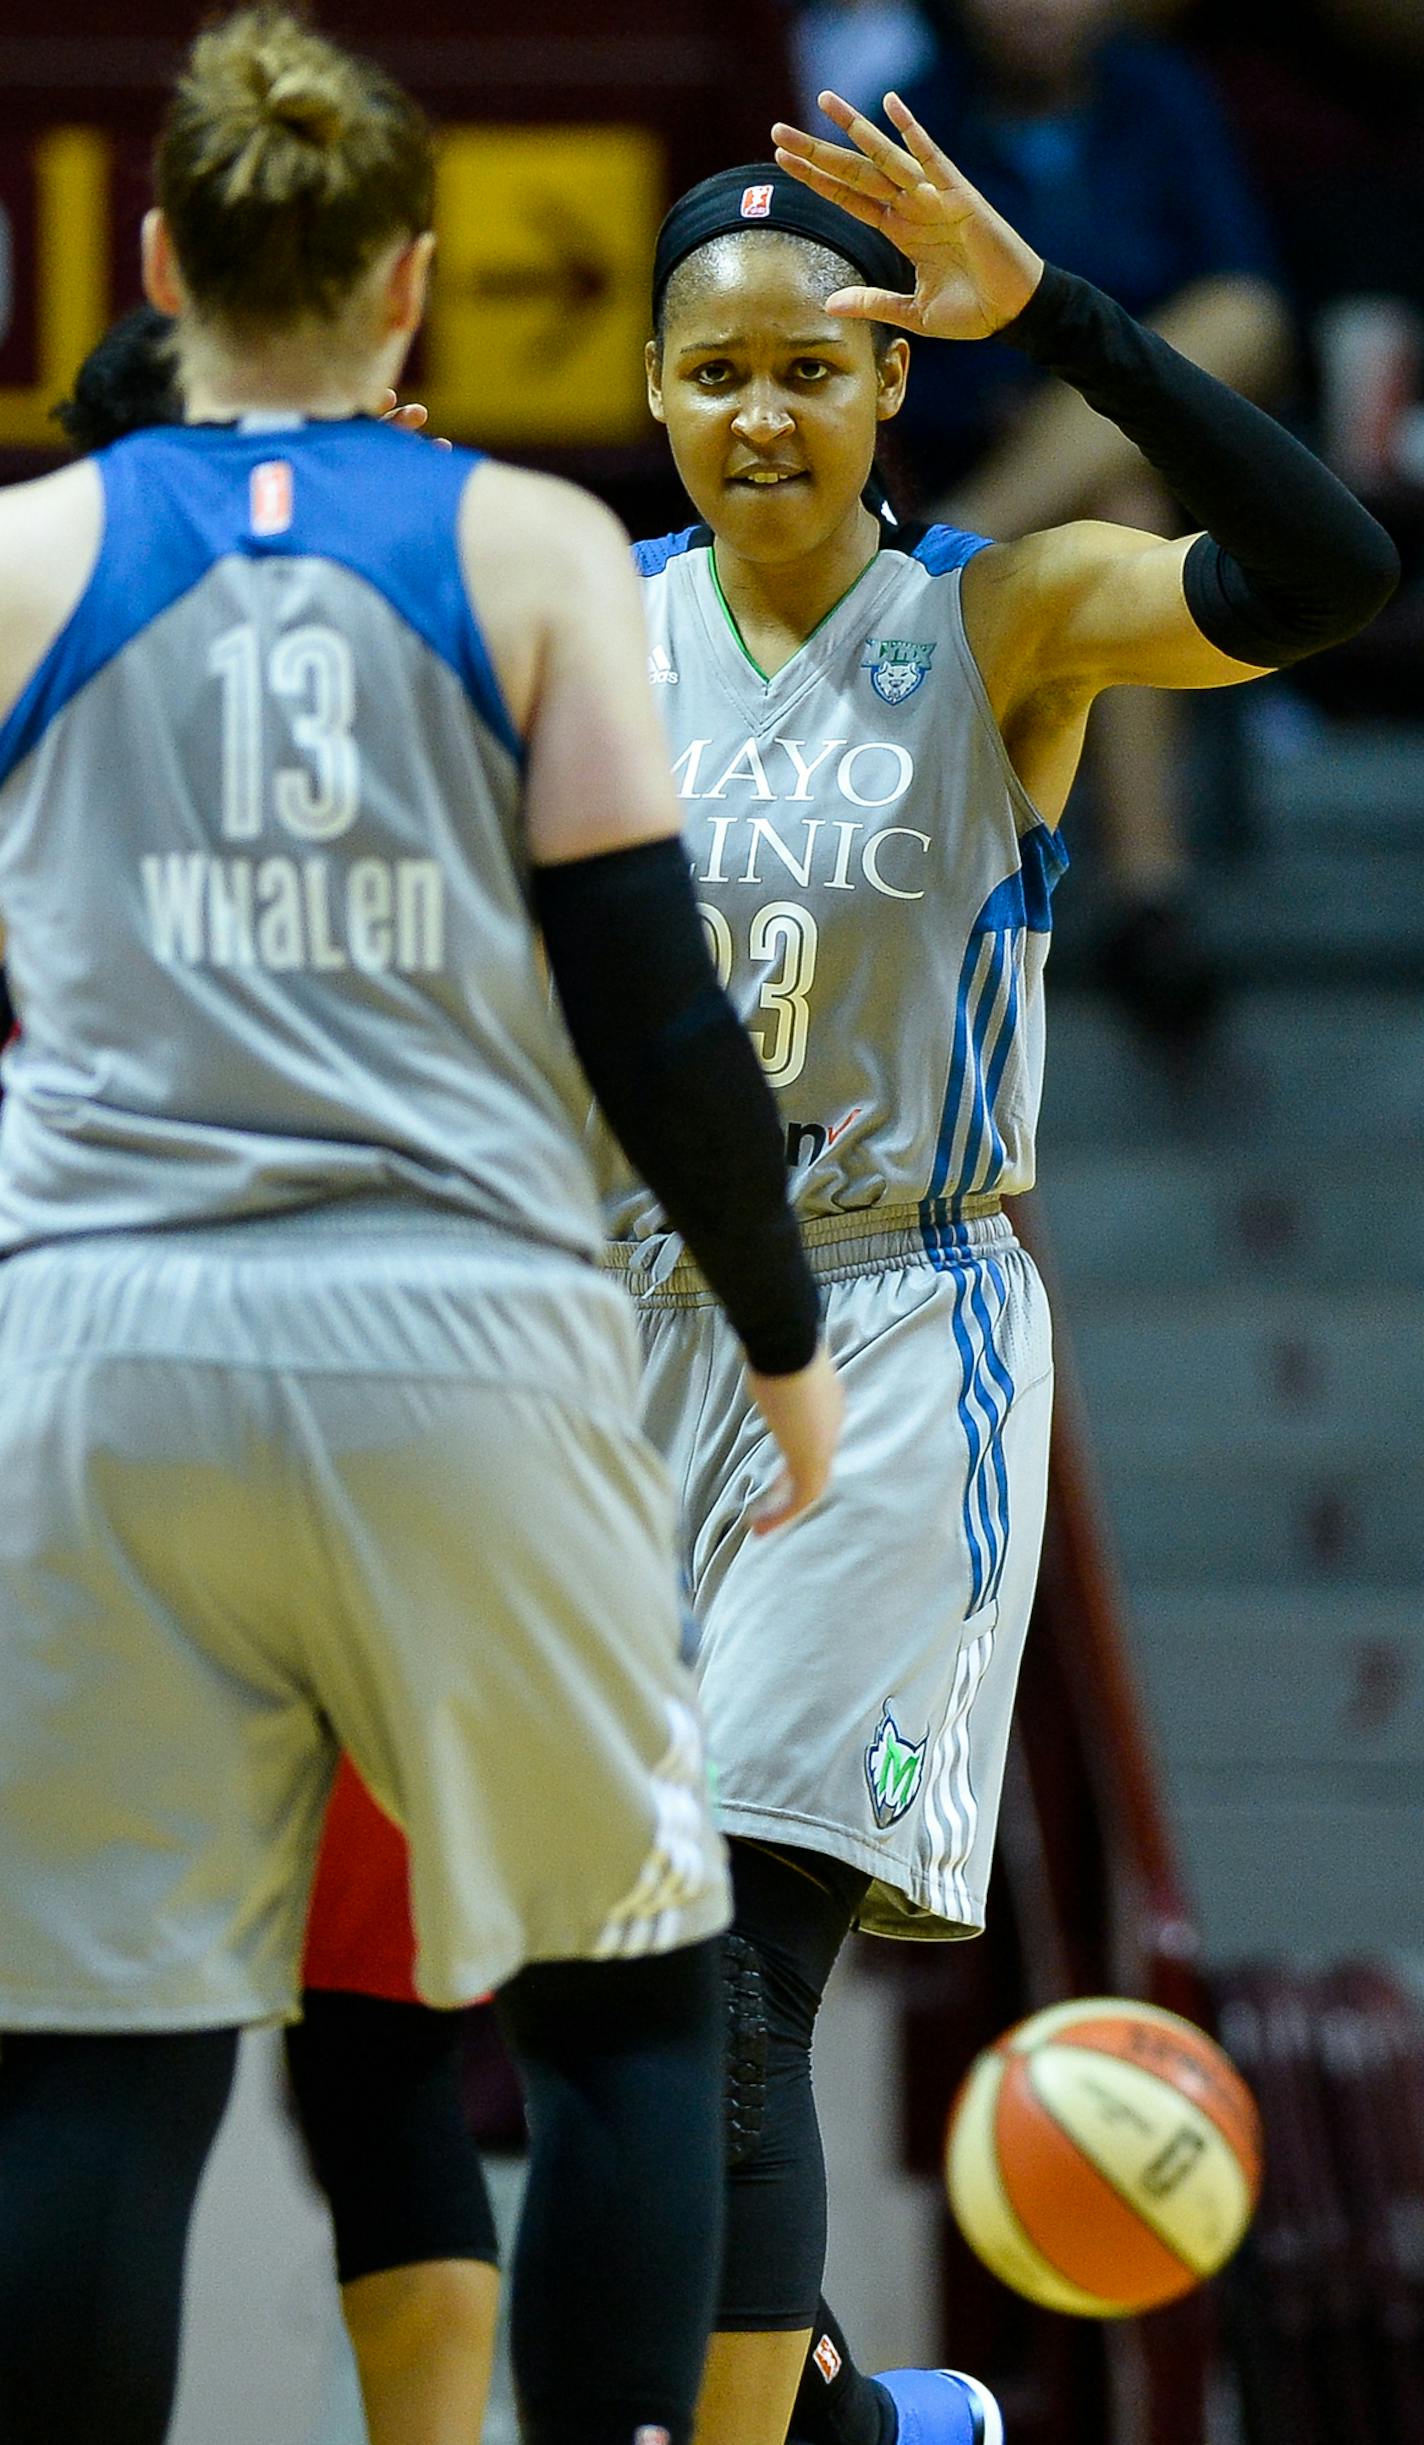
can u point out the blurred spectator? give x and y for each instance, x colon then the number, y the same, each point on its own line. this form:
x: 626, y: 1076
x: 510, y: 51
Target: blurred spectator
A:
x: 863, y: 48
x: 1329, y: 102
x: 1107, y: 149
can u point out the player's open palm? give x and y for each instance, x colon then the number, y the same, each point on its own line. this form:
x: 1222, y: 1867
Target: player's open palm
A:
x: 973, y: 273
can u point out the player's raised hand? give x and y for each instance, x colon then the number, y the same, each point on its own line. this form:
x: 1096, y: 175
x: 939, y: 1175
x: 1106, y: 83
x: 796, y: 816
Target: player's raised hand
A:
x: 973, y: 273
x: 804, y: 1414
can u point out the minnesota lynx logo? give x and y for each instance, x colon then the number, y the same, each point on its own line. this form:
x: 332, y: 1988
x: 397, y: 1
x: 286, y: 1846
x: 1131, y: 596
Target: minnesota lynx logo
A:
x: 893, y: 1770
x: 896, y: 666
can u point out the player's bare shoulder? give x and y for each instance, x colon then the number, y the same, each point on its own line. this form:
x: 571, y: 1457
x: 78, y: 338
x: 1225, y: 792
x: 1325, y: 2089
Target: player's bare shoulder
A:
x: 537, y: 552
x: 1018, y: 599
x: 50, y: 532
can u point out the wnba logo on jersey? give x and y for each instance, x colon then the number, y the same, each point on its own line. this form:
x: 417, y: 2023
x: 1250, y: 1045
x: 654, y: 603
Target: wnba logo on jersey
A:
x: 756, y: 203
x: 269, y: 497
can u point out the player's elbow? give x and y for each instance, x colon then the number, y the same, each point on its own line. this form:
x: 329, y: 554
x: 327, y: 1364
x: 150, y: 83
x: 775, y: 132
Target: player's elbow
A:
x: 1374, y: 577
x: 1364, y: 574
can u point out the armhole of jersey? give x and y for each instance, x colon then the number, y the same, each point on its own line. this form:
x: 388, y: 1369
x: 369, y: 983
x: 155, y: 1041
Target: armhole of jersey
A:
x: 1024, y: 808
x: 476, y: 662
x: 65, y: 666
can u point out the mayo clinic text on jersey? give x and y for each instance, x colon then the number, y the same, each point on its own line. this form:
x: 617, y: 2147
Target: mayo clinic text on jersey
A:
x: 869, y: 772
x: 838, y: 853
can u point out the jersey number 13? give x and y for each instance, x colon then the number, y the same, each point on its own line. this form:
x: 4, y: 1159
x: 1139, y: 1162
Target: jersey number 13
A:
x: 311, y: 676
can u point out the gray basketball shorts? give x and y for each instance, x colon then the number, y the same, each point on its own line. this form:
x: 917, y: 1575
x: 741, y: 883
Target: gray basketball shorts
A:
x: 366, y: 1480
x: 858, y: 1669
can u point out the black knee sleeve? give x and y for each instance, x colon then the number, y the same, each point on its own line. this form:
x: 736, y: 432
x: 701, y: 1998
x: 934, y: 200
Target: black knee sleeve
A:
x: 615, y: 2270
x: 793, y: 1911
x: 748, y: 2045
x: 103, y: 2140
x: 377, y: 2092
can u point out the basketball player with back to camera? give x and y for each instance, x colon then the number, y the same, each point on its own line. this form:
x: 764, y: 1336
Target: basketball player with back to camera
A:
x: 874, y: 732
x: 318, y: 1419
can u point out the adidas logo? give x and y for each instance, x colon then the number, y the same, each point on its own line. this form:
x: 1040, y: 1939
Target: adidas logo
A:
x: 660, y: 670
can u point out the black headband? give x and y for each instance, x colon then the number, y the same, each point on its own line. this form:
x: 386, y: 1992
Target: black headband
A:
x: 761, y: 196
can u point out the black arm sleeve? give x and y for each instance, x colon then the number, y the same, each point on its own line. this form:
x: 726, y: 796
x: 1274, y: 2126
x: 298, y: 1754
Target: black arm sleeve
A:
x: 1291, y: 562
x: 683, y: 1091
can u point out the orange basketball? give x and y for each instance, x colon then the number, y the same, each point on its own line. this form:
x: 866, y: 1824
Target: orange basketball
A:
x: 1103, y: 2157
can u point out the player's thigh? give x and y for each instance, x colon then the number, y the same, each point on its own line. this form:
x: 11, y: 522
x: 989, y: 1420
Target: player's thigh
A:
x: 162, y: 1766
x: 507, y: 1673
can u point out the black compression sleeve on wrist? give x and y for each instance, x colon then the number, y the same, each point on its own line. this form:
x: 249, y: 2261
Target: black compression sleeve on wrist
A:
x: 1291, y: 561
x: 682, y: 1089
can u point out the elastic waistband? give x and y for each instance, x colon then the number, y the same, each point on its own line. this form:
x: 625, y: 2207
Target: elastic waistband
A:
x: 660, y: 1273
x: 338, y: 1221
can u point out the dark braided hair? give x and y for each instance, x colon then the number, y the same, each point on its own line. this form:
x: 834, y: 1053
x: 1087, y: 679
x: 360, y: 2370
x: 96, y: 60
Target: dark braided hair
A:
x: 127, y: 382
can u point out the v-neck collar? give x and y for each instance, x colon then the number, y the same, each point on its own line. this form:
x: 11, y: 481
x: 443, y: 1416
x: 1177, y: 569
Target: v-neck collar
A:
x: 741, y: 676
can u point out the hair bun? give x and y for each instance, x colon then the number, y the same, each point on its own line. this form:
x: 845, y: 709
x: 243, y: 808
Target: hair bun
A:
x: 283, y: 164
x: 310, y: 105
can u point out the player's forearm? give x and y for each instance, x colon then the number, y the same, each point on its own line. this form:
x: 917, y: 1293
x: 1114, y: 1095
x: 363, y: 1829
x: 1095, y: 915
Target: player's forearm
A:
x: 1290, y: 562
x: 679, y: 1083
x: 1062, y: 459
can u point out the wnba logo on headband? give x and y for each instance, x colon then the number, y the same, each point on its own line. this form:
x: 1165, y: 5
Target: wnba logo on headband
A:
x: 754, y: 196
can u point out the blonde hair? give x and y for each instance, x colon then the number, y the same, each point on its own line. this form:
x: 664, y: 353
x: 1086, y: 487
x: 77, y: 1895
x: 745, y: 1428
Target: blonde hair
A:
x: 283, y: 166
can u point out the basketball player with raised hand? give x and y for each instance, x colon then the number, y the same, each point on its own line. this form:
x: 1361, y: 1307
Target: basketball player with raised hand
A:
x: 874, y: 731
x: 317, y: 1420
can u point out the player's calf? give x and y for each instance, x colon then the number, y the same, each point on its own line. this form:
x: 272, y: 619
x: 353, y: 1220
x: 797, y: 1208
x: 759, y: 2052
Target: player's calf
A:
x: 103, y: 2139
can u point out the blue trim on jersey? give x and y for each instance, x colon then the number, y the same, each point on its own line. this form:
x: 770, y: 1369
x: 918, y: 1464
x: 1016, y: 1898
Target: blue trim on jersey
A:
x: 1045, y: 862
x: 997, y: 1064
x: 979, y: 1559
x: 981, y: 1108
x: 958, y: 1049
x: 652, y: 557
x: 942, y: 549
x: 986, y: 1395
x: 369, y: 498
x: 1022, y: 902
x: 1026, y: 897
x: 1003, y: 1383
x: 1006, y: 908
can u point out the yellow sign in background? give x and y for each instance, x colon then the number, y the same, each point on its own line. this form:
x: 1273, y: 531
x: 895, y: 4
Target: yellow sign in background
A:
x: 540, y: 303
x: 72, y: 213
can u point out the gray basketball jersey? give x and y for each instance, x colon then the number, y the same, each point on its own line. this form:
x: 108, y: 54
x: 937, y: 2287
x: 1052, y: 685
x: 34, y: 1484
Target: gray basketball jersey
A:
x: 874, y: 881
x: 261, y: 866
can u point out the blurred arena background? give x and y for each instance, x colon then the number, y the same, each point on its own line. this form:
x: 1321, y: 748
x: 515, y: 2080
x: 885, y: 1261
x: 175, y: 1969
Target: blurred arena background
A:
x: 1215, y: 1798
